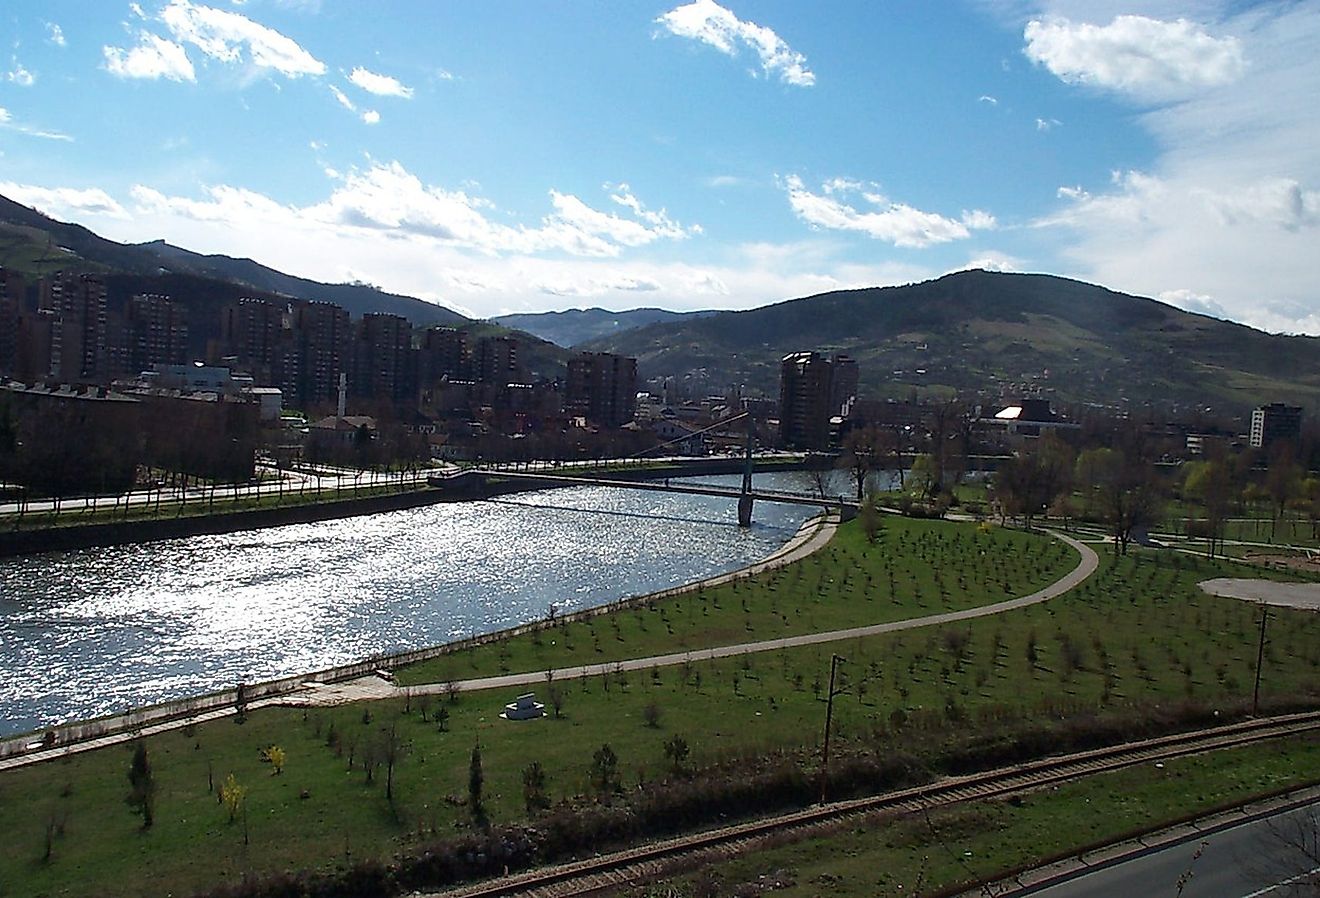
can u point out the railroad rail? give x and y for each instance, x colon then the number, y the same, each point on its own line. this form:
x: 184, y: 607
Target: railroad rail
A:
x: 621, y: 868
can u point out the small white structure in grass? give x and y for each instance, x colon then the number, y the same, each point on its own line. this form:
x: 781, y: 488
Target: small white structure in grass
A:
x: 525, y: 708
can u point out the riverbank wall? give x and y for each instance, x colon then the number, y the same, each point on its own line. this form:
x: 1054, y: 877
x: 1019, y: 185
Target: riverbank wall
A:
x: 119, y: 533
x: 460, y: 487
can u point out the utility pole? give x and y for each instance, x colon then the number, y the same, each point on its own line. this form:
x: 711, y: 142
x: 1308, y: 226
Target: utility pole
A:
x: 1260, y: 658
x: 829, y: 715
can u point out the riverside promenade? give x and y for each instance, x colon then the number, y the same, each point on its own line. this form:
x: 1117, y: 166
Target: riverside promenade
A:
x: 371, y: 682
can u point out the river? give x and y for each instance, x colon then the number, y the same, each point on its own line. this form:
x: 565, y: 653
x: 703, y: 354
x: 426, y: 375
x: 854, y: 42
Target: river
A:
x: 97, y: 631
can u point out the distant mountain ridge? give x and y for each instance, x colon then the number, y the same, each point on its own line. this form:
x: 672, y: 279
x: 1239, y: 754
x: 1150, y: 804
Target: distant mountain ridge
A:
x: 574, y: 326
x: 74, y: 246
x: 979, y: 332
x: 969, y: 333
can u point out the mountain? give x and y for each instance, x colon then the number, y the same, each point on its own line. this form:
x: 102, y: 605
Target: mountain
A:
x: 991, y: 334
x: 574, y: 326
x: 37, y: 244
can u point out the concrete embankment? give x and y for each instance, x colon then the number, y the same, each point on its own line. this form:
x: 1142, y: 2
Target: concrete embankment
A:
x: 462, y: 487
x: 119, y: 533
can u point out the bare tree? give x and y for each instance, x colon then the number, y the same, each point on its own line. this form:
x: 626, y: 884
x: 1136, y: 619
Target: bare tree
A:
x: 1030, y: 482
x: 1123, y: 489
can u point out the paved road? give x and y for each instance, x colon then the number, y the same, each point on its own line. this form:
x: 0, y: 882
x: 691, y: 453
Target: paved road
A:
x: 1085, y: 567
x: 1246, y: 860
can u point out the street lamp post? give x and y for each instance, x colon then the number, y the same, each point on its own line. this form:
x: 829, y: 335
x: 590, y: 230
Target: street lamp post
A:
x: 829, y: 715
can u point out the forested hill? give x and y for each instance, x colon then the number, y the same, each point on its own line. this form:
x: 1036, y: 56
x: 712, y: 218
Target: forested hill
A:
x: 986, y: 332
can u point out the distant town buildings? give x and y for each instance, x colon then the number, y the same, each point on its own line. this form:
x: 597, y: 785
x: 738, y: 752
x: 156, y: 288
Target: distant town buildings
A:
x: 1275, y: 423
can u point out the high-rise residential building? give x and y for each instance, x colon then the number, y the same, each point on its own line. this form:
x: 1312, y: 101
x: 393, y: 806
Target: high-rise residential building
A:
x: 322, y: 337
x: 78, y: 338
x: 602, y: 387
x: 844, y: 380
x: 1275, y: 423
x: 250, y: 330
x: 32, y: 349
x: 443, y: 353
x: 12, y: 290
x: 257, y: 334
x: 496, y: 361
x: 383, y: 359
x: 157, y: 332
x: 805, y: 400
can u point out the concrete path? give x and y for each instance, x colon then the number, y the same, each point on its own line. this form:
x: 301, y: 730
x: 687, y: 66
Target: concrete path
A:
x: 1271, y: 592
x: 1085, y: 567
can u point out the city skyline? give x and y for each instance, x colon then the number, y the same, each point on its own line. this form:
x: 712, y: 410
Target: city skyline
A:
x: 686, y: 155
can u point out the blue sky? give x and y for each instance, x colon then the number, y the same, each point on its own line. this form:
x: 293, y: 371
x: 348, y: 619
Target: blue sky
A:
x: 500, y: 157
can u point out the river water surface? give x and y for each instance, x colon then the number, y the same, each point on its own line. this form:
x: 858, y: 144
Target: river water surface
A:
x: 97, y: 631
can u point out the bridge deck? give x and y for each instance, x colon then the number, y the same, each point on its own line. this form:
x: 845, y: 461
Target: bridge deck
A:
x: 670, y: 487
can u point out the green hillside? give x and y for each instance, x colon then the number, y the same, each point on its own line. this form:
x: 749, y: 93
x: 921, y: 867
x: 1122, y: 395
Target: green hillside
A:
x: 979, y: 332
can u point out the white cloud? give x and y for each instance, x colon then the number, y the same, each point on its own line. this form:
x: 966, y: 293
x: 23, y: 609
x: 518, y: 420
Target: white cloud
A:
x: 153, y: 58
x: 1251, y: 246
x: 7, y: 122
x: 992, y: 261
x: 596, y: 285
x: 1047, y: 124
x: 1191, y: 301
x: 986, y: 98
x: 725, y: 181
x: 895, y: 223
x: 663, y: 226
x: 710, y: 23
x: 55, y: 34
x: 385, y: 226
x: 20, y: 76
x: 64, y: 202
x: 392, y: 201
x: 232, y: 38
x: 342, y: 98
x: 371, y: 116
x: 1230, y: 206
x: 1145, y: 57
x: 380, y: 85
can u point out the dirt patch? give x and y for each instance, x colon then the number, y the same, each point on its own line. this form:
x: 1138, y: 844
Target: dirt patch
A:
x: 1288, y: 595
x: 1291, y: 562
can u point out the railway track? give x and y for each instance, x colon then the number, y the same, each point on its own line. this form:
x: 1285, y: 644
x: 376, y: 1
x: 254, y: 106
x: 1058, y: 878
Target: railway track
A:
x: 616, y: 869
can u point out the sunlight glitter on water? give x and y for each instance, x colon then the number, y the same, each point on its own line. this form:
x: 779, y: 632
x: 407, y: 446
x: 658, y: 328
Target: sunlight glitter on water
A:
x: 94, y: 632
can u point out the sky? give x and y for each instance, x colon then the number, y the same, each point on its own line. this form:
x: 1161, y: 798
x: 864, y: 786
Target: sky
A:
x: 500, y: 157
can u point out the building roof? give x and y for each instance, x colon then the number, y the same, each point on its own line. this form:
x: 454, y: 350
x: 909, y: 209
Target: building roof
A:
x: 348, y: 422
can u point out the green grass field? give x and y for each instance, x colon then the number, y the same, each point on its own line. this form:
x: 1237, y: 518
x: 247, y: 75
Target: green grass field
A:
x: 914, y: 568
x: 1138, y: 636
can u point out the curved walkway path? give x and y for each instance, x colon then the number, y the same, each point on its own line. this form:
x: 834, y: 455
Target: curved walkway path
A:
x: 1085, y: 568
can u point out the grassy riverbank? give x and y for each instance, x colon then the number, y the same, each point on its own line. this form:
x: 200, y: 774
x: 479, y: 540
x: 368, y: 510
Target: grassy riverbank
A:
x: 914, y: 568
x: 1137, y: 648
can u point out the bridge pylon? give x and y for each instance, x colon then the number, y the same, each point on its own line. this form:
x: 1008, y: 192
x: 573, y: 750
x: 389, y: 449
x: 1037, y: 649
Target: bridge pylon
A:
x: 745, y: 500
